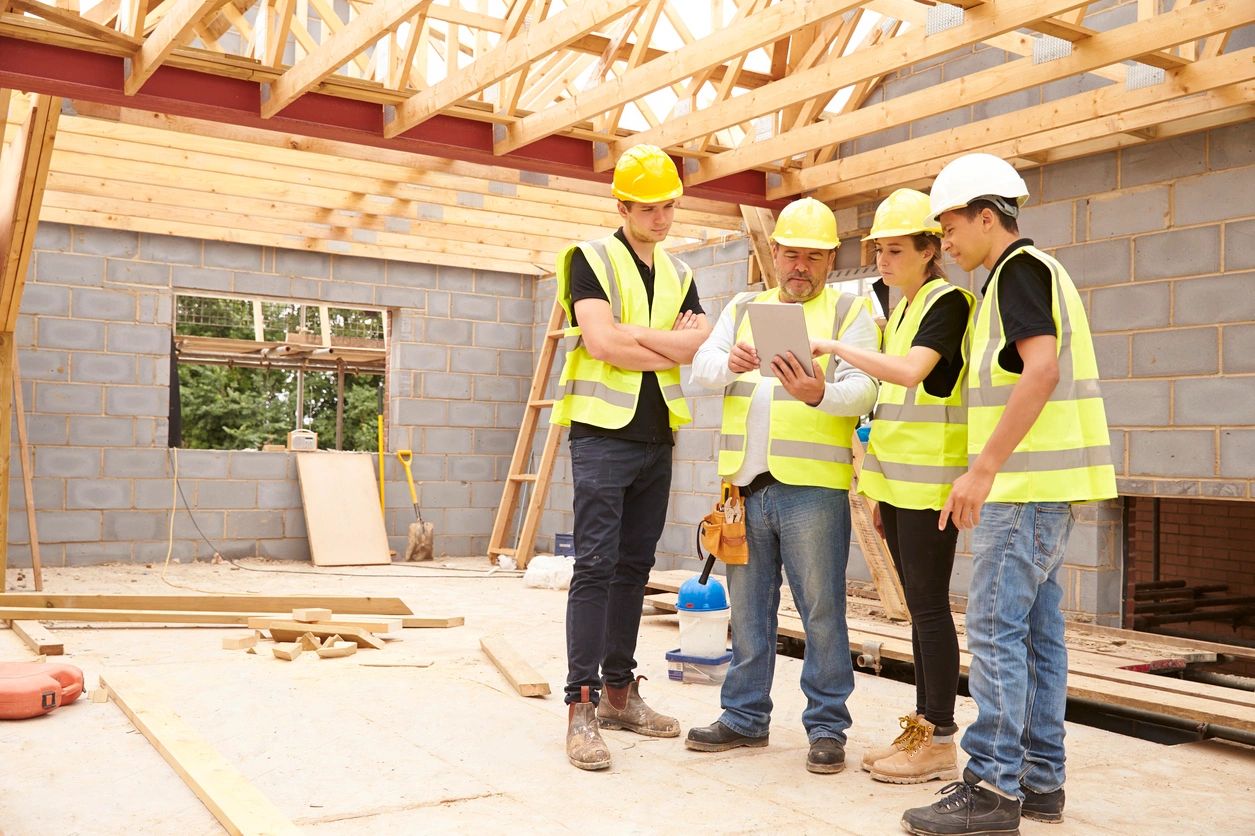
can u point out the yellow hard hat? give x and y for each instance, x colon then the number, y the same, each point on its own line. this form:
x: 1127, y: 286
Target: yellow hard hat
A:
x: 905, y: 212
x: 645, y: 174
x: 807, y: 223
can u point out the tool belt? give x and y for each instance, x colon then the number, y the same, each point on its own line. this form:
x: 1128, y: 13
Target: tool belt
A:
x: 722, y: 531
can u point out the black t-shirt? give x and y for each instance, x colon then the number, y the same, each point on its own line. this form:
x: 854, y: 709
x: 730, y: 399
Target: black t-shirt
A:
x: 651, y: 423
x: 1024, y: 302
x: 942, y: 330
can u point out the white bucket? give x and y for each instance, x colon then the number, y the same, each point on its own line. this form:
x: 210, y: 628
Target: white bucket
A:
x: 704, y: 633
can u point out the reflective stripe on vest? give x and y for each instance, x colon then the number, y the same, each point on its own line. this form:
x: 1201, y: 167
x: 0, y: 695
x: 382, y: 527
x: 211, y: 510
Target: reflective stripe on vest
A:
x: 1066, y: 455
x: 918, y: 443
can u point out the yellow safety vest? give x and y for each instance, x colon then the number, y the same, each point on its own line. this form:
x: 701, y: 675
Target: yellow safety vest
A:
x: 918, y: 444
x: 1066, y: 455
x: 808, y: 446
x: 598, y: 393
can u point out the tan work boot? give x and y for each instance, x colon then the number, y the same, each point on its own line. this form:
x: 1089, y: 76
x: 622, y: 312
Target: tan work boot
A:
x: 909, y: 724
x: 584, y: 746
x: 623, y: 708
x: 922, y: 760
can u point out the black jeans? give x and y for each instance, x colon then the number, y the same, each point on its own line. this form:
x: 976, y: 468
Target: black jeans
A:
x: 621, y: 493
x: 924, y: 558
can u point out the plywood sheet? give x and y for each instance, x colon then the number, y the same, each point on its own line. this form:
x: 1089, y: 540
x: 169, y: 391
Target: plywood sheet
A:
x: 342, y: 513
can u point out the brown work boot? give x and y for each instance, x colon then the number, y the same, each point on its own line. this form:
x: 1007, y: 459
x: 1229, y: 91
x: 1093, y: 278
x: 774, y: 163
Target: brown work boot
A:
x: 922, y: 760
x: 623, y: 708
x: 584, y: 746
x: 909, y: 725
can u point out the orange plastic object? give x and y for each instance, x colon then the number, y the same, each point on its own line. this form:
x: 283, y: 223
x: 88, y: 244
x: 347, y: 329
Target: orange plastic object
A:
x: 29, y: 689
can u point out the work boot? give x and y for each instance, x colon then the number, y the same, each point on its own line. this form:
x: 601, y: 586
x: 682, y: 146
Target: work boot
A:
x: 921, y: 760
x: 584, y: 746
x: 623, y: 708
x: 966, y: 810
x: 1042, y: 806
x: 826, y: 756
x: 719, y: 738
x: 909, y: 724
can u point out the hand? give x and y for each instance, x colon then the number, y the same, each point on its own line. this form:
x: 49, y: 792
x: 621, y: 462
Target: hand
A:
x: 792, y: 375
x: 687, y: 320
x: 877, y: 522
x: 967, y: 495
x: 822, y: 347
x: 742, y: 358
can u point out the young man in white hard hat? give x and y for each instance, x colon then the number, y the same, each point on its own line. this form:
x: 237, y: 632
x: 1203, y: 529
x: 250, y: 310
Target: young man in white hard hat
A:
x: 1037, y: 443
x: 634, y: 317
x: 786, y: 440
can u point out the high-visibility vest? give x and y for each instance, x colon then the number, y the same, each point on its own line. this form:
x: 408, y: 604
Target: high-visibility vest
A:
x: 598, y: 393
x: 1066, y: 455
x: 807, y: 445
x: 918, y: 444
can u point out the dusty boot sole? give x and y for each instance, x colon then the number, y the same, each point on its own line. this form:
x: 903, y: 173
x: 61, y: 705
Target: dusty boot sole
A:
x: 919, y: 831
x: 592, y: 766
x: 825, y: 768
x: 751, y: 743
x: 936, y: 775
x: 1045, y: 818
x: 616, y: 724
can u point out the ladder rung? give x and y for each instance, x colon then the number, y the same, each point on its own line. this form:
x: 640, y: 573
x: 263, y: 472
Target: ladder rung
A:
x: 523, y: 477
x: 507, y: 552
x: 541, y: 404
x: 557, y: 332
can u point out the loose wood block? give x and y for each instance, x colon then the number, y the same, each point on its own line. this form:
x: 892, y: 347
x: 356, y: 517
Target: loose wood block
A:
x: 290, y: 631
x: 432, y: 621
x: 287, y: 651
x: 239, y: 642
x: 309, y: 614
x: 37, y: 637
x: 308, y: 641
x: 333, y: 651
x: 100, y: 695
x: 514, y: 667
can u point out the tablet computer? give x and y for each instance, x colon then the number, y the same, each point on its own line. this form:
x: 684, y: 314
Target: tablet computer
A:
x: 778, y: 329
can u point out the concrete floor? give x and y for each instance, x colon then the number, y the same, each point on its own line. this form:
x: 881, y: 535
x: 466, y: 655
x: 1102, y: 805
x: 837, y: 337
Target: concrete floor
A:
x: 450, y: 748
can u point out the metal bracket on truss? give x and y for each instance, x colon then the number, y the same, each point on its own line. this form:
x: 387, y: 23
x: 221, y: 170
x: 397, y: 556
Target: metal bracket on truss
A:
x: 1141, y: 75
x: 601, y: 150
x: 870, y: 657
x: 1049, y: 48
x: 941, y: 17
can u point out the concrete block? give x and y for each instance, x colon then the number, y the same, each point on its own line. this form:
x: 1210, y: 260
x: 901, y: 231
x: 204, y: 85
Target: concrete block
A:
x: 294, y: 523
x: 155, y: 309
x: 1083, y: 176
x: 499, y: 388
x: 474, y: 360
x: 69, y: 526
x: 1125, y: 307
x: 1229, y: 147
x: 1128, y: 212
x: 1071, y: 86
x: 909, y: 84
x: 203, y: 464
x: 500, y: 335
x: 201, y: 278
x: 103, y: 368
x: 254, y: 464
x: 302, y: 263
x: 1180, y: 351
x: 66, y: 398
x: 515, y: 363
x: 1225, y: 490
x: 347, y: 293
x: 972, y: 62
x: 454, y: 332
x: 285, y: 549
x: 408, y: 274
x: 224, y: 494
x: 155, y: 493
x: 64, y: 268
x: 199, y: 523
x: 79, y: 335
x: 438, y: 303
x: 48, y: 299
x: 1214, y: 197
x: 66, y: 462
x: 171, y: 249
x: 232, y: 256
x: 129, y: 526
x: 1239, y: 248
x: 307, y: 289
x: 1239, y: 348
x: 254, y: 524
x: 414, y: 412
x: 112, y: 242
x: 1237, y: 453
x: 137, y: 400
x: 1048, y: 224
x: 500, y: 442
x: 278, y: 494
x: 1119, y: 450
x: 47, y: 429
x: 1137, y: 403
x: 349, y: 268
x: 1214, y: 299
x: 97, y: 493
x: 400, y: 297
x: 102, y: 431
x: 471, y: 469
x: 261, y: 284
x: 139, y: 339
x: 521, y: 311
x: 44, y: 365
x: 1112, y: 352
x: 940, y: 122
x: 454, y: 386
x: 509, y: 415
x: 1167, y: 453
x: 52, y: 237
x: 142, y: 464
x: 1211, y: 401
x: 1002, y: 105
x: 152, y: 432
x: 446, y: 440
x: 493, y: 283
x: 1178, y: 487
x: 446, y: 495
x: 473, y: 306
x: 49, y: 494
x: 1163, y: 161
x: 423, y: 357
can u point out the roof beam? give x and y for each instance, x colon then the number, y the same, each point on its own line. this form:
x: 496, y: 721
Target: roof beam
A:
x: 171, y: 32
x: 74, y: 21
x: 1101, y: 50
x: 362, y: 31
x: 902, y: 51
x: 747, y: 34
x: 508, y: 57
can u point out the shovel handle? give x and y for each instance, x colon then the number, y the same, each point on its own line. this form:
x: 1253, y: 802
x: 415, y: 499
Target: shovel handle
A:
x: 405, y: 457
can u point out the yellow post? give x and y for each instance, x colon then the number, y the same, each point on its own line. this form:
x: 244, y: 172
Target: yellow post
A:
x: 379, y: 427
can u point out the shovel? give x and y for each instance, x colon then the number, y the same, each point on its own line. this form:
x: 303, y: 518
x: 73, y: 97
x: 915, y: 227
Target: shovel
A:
x: 418, y: 545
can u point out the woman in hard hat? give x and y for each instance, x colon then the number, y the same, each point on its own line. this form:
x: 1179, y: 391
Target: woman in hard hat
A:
x: 918, y: 446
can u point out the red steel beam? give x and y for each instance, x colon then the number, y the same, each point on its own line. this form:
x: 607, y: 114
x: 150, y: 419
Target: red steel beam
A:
x: 77, y: 74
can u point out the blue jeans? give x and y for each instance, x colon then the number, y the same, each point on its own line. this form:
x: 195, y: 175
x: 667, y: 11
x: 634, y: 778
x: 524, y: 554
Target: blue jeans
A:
x: 621, y: 494
x: 806, y: 532
x: 1019, y: 674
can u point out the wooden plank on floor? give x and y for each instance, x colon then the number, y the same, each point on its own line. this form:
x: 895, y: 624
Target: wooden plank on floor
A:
x: 433, y: 621
x: 342, y: 514
x: 238, y: 805
x: 380, y: 624
x: 290, y: 631
x: 370, y: 625
x: 38, y: 638
x: 514, y: 667
x: 357, y: 604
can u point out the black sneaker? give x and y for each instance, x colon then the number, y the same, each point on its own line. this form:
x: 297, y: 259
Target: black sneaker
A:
x: 1042, y: 806
x: 966, y: 810
x: 826, y: 756
x: 719, y: 738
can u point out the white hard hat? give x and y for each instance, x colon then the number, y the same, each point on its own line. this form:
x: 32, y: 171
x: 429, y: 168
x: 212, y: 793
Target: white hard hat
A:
x: 975, y: 176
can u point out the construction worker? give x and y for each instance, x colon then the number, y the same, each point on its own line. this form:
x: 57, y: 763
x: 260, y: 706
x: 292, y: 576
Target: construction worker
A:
x: 1037, y: 443
x: 634, y: 319
x: 918, y: 446
x: 786, y: 441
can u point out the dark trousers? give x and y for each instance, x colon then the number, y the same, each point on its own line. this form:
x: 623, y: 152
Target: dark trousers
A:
x: 621, y: 493
x: 924, y: 558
